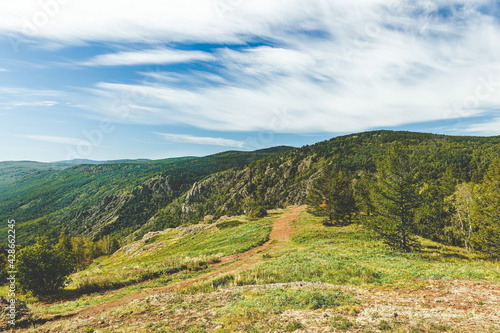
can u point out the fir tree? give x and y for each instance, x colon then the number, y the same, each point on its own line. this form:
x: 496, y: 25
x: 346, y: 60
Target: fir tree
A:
x: 396, y: 199
x: 332, y: 196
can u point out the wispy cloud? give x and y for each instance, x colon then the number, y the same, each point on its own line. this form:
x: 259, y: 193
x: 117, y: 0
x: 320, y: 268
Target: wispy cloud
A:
x: 146, y: 57
x: 35, y: 103
x: 3, y: 69
x: 28, y: 91
x: 334, y: 66
x: 57, y: 139
x: 491, y: 127
x: 200, y: 140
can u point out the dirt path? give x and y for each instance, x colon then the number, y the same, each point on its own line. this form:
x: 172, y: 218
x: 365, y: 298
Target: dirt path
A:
x: 233, y: 264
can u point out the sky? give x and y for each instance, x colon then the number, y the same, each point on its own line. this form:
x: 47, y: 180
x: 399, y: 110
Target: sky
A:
x: 122, y: 79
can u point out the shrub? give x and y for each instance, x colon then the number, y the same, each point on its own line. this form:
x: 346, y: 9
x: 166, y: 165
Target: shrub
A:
x: 42, y: 268
x: 258, y: 212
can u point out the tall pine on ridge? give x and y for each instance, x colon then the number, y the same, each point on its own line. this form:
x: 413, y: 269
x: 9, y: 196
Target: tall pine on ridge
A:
x: 396, y: 199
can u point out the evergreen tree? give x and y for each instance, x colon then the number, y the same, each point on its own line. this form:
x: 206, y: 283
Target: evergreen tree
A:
x: 434, y: 216
x: 487, y: 208
x: 396, y: 199
x: 362, y: 193
x: 331, y: 195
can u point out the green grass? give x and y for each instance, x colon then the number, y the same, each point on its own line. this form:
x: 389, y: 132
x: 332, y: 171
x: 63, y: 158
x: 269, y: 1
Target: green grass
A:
x: 170, y: 258
x: 262, y: 305
x: 347, y: 255
x: 352, y: 256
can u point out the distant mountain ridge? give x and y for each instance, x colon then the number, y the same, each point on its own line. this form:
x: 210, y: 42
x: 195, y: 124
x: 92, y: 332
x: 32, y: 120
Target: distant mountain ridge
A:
x: 85, y: 161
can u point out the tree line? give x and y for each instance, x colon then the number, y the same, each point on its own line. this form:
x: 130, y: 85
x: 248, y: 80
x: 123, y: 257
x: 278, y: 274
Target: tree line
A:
x: 43, y: 268
x: 401, y: 200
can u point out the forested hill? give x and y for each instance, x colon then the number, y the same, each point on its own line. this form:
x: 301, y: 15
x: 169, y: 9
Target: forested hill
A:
x: 12, y: 171
x: 285, y: 179
x: 124, y: 198
x: 95, y: 200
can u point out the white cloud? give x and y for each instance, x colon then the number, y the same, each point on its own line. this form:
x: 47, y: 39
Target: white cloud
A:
x: 186, y: 138
x: 492, y: 127
x: 35, y: 103
x: 28, y: 92
x: 146, y: 57
x: 334, y: 66
x: 57, y: 139
x: 3, y: 70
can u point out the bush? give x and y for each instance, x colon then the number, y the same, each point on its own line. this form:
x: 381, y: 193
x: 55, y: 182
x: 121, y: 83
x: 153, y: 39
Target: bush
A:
x: 42, y: 268
x: 258, y: 212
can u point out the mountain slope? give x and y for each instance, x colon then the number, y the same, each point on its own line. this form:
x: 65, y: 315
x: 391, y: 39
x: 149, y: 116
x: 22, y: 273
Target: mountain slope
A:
x: 138, y: 197
x: 13, y: 171
x: 243, y: 274
x: 111, y: 198
x: 284, y: 179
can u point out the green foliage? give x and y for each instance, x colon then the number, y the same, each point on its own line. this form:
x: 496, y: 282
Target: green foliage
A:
x: 362, y: 190
x: 460, y: 228
x: 332, y: 195
x: 341, y: 323
x: 487, y: 211
x: 114, y: 198
x: 43, y: 268
x: 397, y: 198
x: 258, y: 212
x: 229, y: 224
x: 3, y: 265
x: 118, y: 198
x: 434, y: 216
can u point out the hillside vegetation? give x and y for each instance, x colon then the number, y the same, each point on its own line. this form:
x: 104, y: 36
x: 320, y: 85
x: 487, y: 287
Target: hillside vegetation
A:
x: 122, y: 198
x: 113, y: 198
x: 237, y: 275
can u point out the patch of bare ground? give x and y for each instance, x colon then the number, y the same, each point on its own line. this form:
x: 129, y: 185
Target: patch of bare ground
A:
x: 453, y: 306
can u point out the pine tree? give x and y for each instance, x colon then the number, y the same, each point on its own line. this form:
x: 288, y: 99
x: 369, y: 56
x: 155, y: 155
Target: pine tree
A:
x: 434, y: 216
x: 332, y: 196
x: 396, y: 199
x: 362, y: 193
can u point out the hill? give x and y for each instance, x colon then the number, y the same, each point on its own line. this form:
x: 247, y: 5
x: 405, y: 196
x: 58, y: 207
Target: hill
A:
x: 129, y: 199
x: 12, y: 171
x: 283, y: 273
x: 285, y: 179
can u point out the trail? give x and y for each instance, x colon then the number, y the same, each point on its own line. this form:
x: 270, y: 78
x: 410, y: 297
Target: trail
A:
x: 233, y: 264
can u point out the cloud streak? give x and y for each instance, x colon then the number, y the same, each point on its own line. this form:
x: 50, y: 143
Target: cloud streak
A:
x: 200, y: 140
x: 147, y: 57
x: 57, y: 139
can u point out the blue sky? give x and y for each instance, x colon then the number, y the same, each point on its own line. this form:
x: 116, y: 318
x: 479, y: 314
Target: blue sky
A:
x: 156, y: 79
